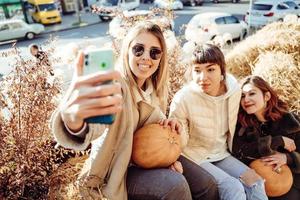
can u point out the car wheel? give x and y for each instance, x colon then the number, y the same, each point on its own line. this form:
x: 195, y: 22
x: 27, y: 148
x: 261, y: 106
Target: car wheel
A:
x: 30, y: 36
x: 104, y: 19
x: 245, y: 34
x: 229, y: 42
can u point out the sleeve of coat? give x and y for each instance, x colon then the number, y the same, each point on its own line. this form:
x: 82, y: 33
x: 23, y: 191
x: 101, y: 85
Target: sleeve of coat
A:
x: 178, y: 111
x: 247, y: 143
x: 295, y: 155
x: 67, y: 140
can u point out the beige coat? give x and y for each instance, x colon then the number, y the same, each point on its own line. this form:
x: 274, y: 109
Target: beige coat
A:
x: 208, y: 122
x: 104, y: 173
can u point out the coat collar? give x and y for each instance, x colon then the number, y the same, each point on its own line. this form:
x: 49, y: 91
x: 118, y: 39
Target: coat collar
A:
x: 141, y: 95
x: 144, y: 101
x: 231, y: 85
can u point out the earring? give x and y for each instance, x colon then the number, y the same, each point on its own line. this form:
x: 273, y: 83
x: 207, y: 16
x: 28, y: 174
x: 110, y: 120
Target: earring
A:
x: 222, y: 77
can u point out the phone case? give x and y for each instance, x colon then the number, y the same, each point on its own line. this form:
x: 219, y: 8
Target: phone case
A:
x: 94, y: 61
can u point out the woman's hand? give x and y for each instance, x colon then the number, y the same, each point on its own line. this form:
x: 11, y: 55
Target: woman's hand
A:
x: 88, y: 98
x: 289, y: 144
x: 278, y: 159
x: 173, y: 123
x: 176, y: 167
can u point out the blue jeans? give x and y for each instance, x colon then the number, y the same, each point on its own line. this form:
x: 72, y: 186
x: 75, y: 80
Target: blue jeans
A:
x: 164, y: 184
x: 156, y: 184
x: 227, y: 173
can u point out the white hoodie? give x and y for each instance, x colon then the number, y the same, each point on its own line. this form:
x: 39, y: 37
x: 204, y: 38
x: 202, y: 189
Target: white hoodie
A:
x: 208, y: 122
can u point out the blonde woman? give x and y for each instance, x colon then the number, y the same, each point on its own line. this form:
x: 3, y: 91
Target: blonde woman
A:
x: 138, y: 99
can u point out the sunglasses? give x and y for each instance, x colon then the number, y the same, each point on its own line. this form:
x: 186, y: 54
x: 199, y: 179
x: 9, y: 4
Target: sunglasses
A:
x: 139, y: 49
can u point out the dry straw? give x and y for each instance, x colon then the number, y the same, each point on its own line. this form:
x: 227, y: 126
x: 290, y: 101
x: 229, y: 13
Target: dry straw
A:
x: 283, y: 37
x: 282, y: 71
x: 62, y: 181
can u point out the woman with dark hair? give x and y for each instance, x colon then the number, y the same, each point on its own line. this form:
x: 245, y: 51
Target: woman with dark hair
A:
x: 267, y: 130
x: 207, y: 109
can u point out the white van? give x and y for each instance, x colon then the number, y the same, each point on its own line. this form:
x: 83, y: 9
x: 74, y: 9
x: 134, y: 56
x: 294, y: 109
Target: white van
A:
x: 106, y: 8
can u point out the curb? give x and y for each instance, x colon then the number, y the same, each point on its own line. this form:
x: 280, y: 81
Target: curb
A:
x: 69, y: 28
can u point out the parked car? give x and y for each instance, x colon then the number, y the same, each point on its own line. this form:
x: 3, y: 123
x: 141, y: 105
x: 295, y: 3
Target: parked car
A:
x: 264, y: 12
x: 12, y: 29
x: 206, y: 26
x: 106, y: 8
x: 171, y: 5
x: 233, y: 1
x: 192, y: 2
x: 117, y: 27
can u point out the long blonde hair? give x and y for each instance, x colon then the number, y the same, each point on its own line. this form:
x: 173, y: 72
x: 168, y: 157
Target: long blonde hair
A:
x: 160, y: 77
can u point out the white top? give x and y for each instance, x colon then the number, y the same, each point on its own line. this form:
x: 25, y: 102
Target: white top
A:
x: 208, y: 122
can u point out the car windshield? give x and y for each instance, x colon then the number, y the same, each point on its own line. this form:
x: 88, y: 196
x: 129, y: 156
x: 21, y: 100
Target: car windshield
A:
x: 199, y: 21
x: 291, y: 4
x: 110, y: 2
x: 262, y: 7
x: 47, y: 7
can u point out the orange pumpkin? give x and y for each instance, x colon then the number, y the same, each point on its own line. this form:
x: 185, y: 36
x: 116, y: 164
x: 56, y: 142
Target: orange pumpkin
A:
x: 276, y: 183
x: 155, y: 146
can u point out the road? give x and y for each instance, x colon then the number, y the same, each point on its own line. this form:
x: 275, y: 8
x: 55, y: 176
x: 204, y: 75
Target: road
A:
x: 96, y: 34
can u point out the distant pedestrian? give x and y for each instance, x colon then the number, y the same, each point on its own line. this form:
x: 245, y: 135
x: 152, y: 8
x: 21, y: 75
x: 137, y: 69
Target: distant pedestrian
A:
x: 41, y: 56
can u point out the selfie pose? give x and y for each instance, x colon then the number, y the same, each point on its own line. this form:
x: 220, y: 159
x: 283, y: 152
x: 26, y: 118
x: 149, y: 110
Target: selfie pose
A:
x: 138, y: 98
x: 267, y: 130
x: 207, y: 109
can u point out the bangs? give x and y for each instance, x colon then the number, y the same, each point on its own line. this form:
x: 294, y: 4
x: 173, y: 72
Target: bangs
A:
x: 207, y: 55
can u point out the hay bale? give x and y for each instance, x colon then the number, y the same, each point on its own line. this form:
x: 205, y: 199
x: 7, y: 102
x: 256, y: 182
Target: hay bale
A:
x: 282, y: 72
x: 62, y: 181
x: 277, y: 36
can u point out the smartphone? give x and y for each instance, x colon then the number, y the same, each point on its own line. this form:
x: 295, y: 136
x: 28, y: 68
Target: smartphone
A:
x: 96, y: 60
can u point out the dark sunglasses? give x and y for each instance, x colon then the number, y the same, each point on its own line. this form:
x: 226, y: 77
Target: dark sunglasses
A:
x: 138, y: 50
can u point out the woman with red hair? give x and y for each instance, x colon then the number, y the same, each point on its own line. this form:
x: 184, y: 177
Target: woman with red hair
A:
x: 267, y: 130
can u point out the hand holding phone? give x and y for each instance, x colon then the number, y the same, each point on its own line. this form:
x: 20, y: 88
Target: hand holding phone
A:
x: 97, y: 60
x: 88, y: 96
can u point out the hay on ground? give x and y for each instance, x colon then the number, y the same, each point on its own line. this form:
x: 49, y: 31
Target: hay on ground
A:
x: 62, y: 185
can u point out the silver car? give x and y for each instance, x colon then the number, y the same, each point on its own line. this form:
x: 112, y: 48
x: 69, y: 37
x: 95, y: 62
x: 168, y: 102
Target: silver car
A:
x: 13, y: 29
x: 264, y: 12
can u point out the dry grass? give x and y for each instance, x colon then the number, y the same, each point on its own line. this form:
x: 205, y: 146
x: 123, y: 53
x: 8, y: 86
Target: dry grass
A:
x: 283, y: 37
x: 282, y: 71
x: 62, y: 181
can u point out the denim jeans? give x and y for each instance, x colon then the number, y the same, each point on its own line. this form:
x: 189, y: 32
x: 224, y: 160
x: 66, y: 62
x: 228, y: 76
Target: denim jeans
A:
x: 164, y: 184
x: 203, y: 186
x: 156, y: 184
x: 227, y: 172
